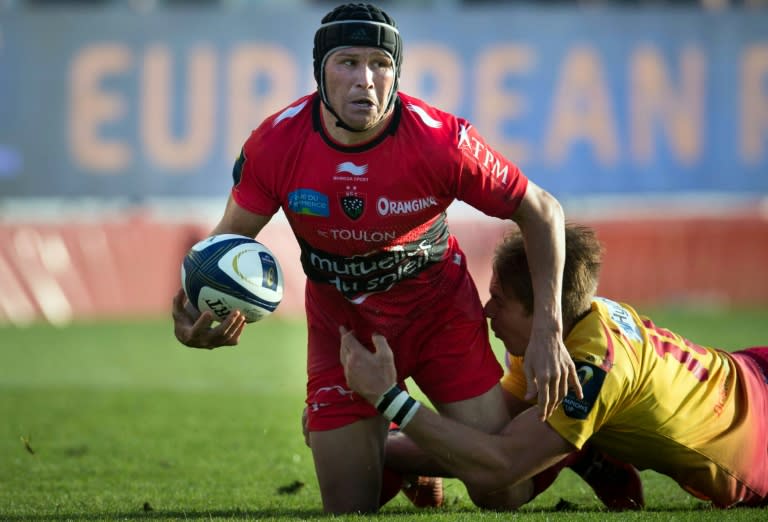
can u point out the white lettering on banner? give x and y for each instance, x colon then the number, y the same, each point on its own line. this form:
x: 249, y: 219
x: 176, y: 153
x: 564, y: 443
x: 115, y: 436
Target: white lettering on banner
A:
x: 386, y: 207
x: 15, y: 305
x: 39, y: 260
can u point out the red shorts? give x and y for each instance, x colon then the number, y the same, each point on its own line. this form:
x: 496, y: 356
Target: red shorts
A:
x: 754, y: 365
x: 759, y: 354
x: 435, y: 326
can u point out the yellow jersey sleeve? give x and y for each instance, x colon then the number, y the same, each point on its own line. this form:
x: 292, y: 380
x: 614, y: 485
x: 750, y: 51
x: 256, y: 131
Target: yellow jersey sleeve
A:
x: 660, y: 401
x: 513, y: 380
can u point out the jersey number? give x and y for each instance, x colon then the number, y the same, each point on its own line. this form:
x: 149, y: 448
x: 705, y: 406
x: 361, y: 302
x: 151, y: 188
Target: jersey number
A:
x: 682, y: 350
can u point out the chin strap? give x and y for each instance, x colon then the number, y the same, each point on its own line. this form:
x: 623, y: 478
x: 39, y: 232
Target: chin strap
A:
x: 340, y: 123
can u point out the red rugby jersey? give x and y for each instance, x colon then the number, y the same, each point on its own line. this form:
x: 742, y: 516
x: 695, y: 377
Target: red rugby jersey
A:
x: 371, y: 215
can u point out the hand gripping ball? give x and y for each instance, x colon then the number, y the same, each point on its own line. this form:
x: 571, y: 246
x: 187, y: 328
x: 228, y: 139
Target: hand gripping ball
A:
x: 229, y: 272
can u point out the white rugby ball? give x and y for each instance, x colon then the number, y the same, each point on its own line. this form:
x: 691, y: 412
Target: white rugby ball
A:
x: 229, y: 272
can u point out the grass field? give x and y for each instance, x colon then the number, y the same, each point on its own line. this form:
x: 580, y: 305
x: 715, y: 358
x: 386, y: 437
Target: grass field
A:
x: 117, y: 421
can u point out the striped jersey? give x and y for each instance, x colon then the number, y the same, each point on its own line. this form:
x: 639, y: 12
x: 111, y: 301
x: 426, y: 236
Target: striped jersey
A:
x: 659, y: 401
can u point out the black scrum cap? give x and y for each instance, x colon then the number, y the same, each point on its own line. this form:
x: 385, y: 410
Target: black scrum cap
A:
x: 357, y: 25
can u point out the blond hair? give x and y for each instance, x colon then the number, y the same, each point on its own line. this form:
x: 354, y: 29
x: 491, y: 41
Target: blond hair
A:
x: 583, y: 258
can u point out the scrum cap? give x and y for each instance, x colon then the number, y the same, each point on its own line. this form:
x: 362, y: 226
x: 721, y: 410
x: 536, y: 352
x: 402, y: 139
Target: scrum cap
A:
x: 357, y: 25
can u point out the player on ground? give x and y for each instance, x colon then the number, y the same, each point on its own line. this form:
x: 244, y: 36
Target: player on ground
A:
x: 364, y: 174
x: 651, y: 397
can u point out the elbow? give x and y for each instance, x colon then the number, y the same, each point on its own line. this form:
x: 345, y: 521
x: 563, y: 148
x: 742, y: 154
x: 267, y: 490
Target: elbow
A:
x: 551, y: 208
x: 539, y: 206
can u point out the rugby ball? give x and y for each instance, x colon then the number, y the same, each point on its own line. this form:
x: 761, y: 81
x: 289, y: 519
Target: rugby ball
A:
x: 229, y: 272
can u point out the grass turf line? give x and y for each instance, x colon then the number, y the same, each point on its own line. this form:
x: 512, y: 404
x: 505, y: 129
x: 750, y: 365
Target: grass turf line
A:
x: 117, y: 421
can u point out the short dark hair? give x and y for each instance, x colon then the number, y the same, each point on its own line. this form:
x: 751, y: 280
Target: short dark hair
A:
x: 583, y: 259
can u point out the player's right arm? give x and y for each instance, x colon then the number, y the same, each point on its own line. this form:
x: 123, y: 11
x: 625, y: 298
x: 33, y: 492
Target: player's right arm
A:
x: 496, y: 468
x: 195, y: 329
x: 237, y: 220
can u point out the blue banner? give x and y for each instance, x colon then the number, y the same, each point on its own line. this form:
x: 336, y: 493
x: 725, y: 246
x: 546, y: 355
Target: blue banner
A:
x: 587, y: 101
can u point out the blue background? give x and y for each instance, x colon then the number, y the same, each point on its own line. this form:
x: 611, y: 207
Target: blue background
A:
x: 38, y: 50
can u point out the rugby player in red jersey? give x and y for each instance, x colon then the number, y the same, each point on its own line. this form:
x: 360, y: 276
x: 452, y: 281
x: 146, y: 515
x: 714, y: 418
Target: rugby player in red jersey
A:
x: 650, y: 397
x: 364, y: 174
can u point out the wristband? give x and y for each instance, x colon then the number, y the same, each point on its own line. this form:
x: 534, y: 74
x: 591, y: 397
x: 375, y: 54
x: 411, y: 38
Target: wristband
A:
x: 397, y: 406
x: 387, y: 397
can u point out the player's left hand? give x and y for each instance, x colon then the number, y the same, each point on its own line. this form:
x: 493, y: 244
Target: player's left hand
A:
x: 196, y: 330
x: 549, y: 372
x: 370, y: 374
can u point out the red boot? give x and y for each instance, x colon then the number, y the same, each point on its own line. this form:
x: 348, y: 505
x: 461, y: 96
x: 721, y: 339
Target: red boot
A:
x: 617, y: 484
x: 424, y: 492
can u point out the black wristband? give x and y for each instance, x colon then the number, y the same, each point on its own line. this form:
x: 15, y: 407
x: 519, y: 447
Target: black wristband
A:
x: 387, y: 397
x: 397, y: 406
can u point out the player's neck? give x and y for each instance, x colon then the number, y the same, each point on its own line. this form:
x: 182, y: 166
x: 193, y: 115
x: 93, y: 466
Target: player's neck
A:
x: 346, y: 137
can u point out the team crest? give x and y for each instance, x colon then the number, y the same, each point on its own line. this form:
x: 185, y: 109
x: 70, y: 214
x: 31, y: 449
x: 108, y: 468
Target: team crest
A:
x: 353, y: 204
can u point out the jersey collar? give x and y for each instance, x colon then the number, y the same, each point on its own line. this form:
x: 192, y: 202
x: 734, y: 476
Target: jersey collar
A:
x: 317, y: 126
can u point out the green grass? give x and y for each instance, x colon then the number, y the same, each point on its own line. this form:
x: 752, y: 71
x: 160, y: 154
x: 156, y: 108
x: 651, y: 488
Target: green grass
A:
x: 117, y: 421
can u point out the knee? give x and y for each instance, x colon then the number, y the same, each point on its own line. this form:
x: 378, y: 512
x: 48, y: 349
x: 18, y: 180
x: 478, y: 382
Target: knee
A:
x: 508, y: 498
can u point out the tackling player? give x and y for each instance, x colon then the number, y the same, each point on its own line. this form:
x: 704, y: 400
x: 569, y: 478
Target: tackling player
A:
x: 650, y: 397
x: 364, y: 174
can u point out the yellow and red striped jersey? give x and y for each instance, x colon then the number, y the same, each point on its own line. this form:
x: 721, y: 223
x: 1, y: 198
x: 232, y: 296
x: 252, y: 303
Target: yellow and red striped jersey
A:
x: 659, y: 401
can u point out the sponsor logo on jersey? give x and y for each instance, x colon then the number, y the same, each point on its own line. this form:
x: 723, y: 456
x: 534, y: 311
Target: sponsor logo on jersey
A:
x: 355, y: 275
x: 290, y: 112
x: 623, y: 319
x: 428, y: 120
x: 377, y: 270
x: 475, y: 147
x: 591, y: 378
x: 353, y: 234
x: 352, y: 203
x: 308, y: 202
x: 355, y: 170
x: 349, y: 172
x: 392, y: 207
